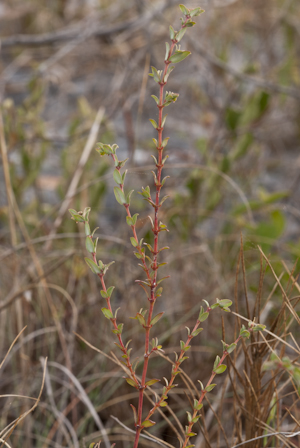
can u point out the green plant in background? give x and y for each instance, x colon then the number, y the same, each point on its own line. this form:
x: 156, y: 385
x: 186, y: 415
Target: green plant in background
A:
x: 150, y: 262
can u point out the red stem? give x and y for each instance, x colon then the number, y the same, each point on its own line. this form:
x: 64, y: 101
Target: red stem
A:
x: 114, y: 322
x: 156, y: 231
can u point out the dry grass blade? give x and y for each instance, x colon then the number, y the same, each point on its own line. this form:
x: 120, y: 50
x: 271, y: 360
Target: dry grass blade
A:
x: 6, y: 432
x: 291, y: 309
x: 281, y: 433
x: 270, y: 333
x: 8, y: 186
x: 96, y: 349
x: 165, y: 417
x: 86, y: 400
x: 5, y: 443
x: 11, y: 346
x: 64, y: 423
x: 17, y: 396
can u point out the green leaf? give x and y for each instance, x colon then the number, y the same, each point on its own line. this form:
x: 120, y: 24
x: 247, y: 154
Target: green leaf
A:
x: 179, y: 56
x: 110, y: 290
x: 196, y: 12
x: 104, y: 294
x: 167, y: 51
x: 259, y: 327
x: 155, y: 99
x: 199, y: 407
x: 220, y: 369
x: 215, y: 305
x: 225, y: 303
x: 92, y: 234
x: 76, y: 216
x: 151, y: 382
x: 244, y: 333
x: 203, y: 316
x: 135, y: 417
x: 172, y: 32
x: 165, y: 142
x: 196, y: 332
x: 73, y: 212
x: 119, y: 195
x: 141, y: 319
x: 107, y: 313
x: 159, y: 281
x: 155, y: 74
x: 139, y: 256
x: 93, y: 266
x: 189, y: 24
x: 134, y: 242
x: 106, y: 266
x: 89, y: 245
x: 210, y: 387
x: 148, y: 423
x: 159, y: 291
x: 184, y: 10
x: 156, y: 318
x: 117, y: 177
x: 217, y: 360
x: 131, y: 382
x: 134, y: 218
x: 163, y: 226
x: 87, y: 229
x: 128, y: 196
x: 164, y: 180
x: 105, y: 149
x: 153, y: 122
x: 231, y: 347
x: 180, y: 34
x: 145, y: 192
x: 129, y: 220
x: 122, y: 163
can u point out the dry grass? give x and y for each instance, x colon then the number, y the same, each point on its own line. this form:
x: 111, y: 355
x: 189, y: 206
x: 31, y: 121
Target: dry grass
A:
x: 243, y: 55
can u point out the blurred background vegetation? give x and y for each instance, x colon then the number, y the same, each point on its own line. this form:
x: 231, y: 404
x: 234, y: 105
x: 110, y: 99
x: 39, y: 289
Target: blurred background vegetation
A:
x: 74, y: 72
